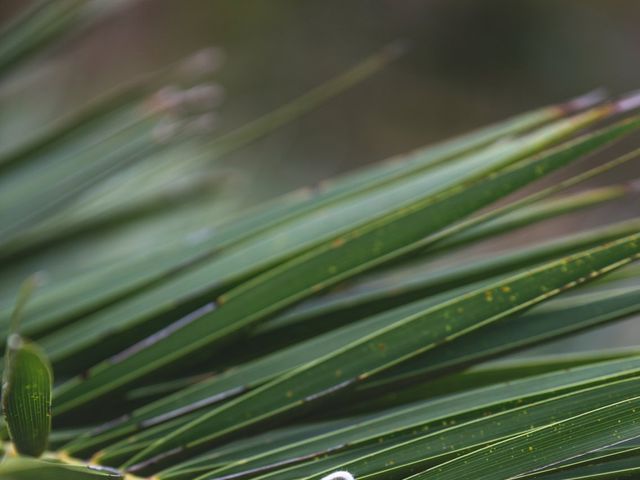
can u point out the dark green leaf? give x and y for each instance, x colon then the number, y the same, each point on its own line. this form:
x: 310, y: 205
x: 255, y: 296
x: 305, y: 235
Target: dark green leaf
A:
x: 26, y: 396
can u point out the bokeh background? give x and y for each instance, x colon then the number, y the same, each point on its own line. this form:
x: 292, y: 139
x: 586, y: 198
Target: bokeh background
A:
x: 470, y: 63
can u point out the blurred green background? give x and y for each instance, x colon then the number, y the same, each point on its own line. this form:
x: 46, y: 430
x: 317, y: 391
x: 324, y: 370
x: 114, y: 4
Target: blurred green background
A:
x: 471, y: 62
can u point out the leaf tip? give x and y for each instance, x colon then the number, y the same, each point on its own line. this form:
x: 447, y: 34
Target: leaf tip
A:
x: 585, y: 101
x: 628, y: 102
x: 633, y: 186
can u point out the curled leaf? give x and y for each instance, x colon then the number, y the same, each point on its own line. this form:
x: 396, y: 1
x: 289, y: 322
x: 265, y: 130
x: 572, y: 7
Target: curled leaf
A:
x: 26, y: 398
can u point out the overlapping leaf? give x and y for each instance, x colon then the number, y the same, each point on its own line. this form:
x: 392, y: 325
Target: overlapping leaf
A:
x: 380, y: 241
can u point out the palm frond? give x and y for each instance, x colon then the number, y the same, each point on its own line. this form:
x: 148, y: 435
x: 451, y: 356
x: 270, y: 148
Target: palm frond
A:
x: 349, y: 329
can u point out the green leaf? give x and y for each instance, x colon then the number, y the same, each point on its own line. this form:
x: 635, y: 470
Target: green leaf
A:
x: 602, y: 426
x: 26, y: 396
x: 396, y: 288
x: 87, y: 292
x: 28, y: 469
x: 383, y: 239
x: 612, y: 462
x: 39, y: 25
x: 395, y: 425
x: 27, y: 381
x: 91, y: 291
x: 398, y: 342
x: 557, y: 317
x: 490, y: 373
x: 485, y: 434
x: 537, y: 212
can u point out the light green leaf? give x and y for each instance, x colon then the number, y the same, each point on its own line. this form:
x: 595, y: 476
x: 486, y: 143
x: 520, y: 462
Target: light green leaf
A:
x: 28, y: 469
